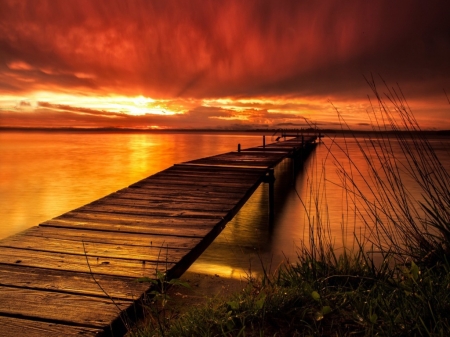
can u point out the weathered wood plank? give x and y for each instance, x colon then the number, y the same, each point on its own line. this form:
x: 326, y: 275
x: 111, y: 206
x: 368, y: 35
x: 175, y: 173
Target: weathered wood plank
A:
x: 134, y: 194
x: 222, y: 170
x: 181, y: 180
x: 93, y: 312
x: 186, y: 191
x: 96, y: 222
x: 252, y: 157
x: 186, y: 171
x: 224, y: 162
x: 205, y: 172
x: 15, y: 327
x: 281, y: 151
x: 78, y: 263
x: 71, y: 282
x: 245, y: 156
x: 113, y: 238
x: 192, y: 187
x: 286, y: 144
x: 94, y: 249
x: 170, y: 204
x: 196, y: 184
x: 137, y: 220
x: 178, y: 213
x: 228, y: 165
x: 212, y: 171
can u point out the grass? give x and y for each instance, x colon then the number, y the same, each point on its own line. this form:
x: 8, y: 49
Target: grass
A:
x: 394, y: 280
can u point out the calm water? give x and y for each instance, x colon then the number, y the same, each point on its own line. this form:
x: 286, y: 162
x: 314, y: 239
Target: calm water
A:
x: 43, y: 175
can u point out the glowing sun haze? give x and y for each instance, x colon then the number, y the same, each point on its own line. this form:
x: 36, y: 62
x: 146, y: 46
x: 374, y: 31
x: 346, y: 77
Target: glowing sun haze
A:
x: 218, y: 64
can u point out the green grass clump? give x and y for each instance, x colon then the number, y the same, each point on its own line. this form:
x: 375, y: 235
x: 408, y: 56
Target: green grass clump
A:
x: 343, y: 296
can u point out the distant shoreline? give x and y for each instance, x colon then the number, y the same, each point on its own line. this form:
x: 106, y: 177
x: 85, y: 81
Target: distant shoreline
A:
x: 231, y: 131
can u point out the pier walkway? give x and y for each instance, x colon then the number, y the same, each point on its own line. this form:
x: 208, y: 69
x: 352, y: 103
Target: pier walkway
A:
x: 76, y: 274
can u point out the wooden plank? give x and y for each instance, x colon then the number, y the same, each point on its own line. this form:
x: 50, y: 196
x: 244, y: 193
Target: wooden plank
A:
x: 248, y: 157
x: 268, y: 150
x: 179, y: 213
x: 208, y: 162
x: 228, y: 165
x: 165, y: 204
x: 287, y: 144
x: 94, y: 249
x: 192, y: 187
x: 71, y: 282
x: 213, y: 171
x: 78, y: 263
x: 274, y: 147
x: 197, y: 183
x: 14, y: 327
x: 240, y: 169
x: 93, y: 312
x: 113, y: 238
x: 133, y: 194
x: 106, y: 222
x: 244, y: 156
x: 247, y: 160
x: 192, y: 232
x: 201, y: 177
x: 185, y: 191
x: 136, y: 220
x: 241, y: 158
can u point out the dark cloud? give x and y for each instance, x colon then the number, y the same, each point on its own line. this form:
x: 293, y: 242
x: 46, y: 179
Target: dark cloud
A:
x: 84, y: 111
x: 24, y: 104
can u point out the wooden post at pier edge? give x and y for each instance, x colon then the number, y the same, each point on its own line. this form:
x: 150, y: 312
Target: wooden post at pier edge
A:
x: 239, y: 147
x: 264, y: 141
x: 271, y: 181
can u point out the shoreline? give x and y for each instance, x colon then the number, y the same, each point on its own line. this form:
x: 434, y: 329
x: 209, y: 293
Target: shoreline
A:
x: 202, y: 287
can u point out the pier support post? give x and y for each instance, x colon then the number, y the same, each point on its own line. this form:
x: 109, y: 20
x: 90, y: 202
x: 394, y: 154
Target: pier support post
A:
x: 294, y: 168
x: 271, y: 181
x: 264, y: 141
x: 239, y: 147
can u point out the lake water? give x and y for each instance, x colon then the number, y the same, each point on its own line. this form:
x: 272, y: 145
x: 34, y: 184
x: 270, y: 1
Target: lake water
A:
x: 43, y: 175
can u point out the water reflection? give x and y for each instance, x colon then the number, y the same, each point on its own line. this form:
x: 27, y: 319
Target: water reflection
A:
x: 319, y: 196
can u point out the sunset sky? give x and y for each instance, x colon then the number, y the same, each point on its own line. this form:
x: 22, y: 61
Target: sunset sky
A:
x: 219, y: 64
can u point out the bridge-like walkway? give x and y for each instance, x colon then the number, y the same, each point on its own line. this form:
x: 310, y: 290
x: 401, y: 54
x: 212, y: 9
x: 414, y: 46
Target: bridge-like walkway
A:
x: 76, y: 274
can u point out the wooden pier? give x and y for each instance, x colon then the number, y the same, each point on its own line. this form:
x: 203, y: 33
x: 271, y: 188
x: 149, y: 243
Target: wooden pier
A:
x: 76, y: 274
